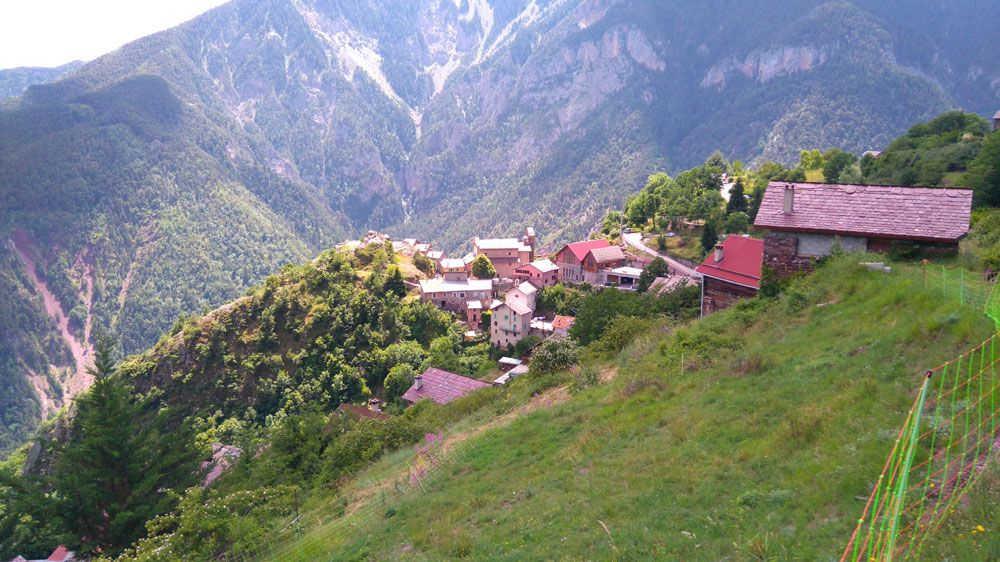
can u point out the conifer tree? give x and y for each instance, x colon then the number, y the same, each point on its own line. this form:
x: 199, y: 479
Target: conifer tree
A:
x: 737, y: 199
x: 395, y: 283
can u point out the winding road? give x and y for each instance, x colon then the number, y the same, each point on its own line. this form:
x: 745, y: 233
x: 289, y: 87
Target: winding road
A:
x: 634, y: 239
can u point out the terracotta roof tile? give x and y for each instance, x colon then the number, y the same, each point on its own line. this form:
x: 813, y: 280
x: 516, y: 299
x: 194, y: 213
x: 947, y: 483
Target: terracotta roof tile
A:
x: 914, y: 213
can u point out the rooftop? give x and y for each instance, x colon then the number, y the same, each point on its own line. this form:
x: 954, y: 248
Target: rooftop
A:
x: 527, y: 288
x: 452, y: 263
x: 626, y: 271
x: 543, y: 266
x: 500, y: 244
x: 580, y: 249
x: 441, y: 386
x: 742, y: 258
x: 914, y: 213
x: 563, y: 322
x: 442, y: 285
x: 607, y: 254
x: 518, y: 307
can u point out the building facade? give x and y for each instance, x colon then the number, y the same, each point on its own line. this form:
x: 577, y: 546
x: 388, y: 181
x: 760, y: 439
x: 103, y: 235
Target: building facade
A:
x: 570, y: 258
x: 731, y: 272
x: 806, y: 221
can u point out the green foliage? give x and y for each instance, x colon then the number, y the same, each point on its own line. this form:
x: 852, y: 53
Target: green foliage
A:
x: 709, y: 237
x: 656, y: 268
x: 737, y: 199
x: 929, y: 154
x: 560, y: 299
x: 984, y: 172
x: 554, y: 354
x: 424, y: 264
x: 399, y: 380
x: 694, y: 194
x: 394, y: 282
x: 835, y: 161
x: 598, y: 310
x: 482, y: 267
x: 116, y: 472
x: 737, y: 222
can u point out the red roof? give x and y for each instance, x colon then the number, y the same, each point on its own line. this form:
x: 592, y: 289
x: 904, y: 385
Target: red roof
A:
x: 442, y: 387
x: 911, y: 213
x: 742, y: 258
x: 580, y: 249
x: 60, y: 554
x: 563, y: 322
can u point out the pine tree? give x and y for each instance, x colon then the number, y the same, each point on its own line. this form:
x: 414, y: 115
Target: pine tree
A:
x: 709, y: 237
x: 113, y: 473
x: 395, y: 283
x: 737, y: 199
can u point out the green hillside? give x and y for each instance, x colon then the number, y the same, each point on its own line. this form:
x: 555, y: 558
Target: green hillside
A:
x: 754, y: 434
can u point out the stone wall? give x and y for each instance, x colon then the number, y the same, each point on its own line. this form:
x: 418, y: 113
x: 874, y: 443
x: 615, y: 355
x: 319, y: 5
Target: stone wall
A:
x: 781, y: 254
x: 717, y: 294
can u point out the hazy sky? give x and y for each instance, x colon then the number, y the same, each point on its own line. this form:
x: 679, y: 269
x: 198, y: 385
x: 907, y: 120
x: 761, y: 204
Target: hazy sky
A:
x: 53, y: 32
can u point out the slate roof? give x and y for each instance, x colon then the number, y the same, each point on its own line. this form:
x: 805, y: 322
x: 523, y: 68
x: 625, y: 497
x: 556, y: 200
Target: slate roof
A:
x: 911, y: 213
x: 442, y: 387
x: 580, y: 249
x: 742, y: 258
x: 607, y: 254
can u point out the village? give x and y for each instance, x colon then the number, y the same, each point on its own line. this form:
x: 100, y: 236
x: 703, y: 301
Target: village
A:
x: 494, y: 288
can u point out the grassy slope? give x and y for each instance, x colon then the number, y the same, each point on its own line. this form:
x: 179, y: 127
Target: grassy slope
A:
x: 764, y: 446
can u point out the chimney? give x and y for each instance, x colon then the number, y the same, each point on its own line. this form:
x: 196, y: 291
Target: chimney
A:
x: 418, y: 382
x: 789, y: 199
x: 719, y: 254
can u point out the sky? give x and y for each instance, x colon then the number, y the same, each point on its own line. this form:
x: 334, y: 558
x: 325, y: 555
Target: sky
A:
x: 54, y: 32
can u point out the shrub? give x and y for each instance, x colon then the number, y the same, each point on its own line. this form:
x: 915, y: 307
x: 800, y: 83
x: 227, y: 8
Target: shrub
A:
x: 554, y: 355
x: 398, y: 380
x: 586, y: 378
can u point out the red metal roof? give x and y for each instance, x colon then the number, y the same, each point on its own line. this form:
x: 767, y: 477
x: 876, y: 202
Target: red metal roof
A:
x: 60, y: 554
x: 580, y: 249
x: 742, y: 258
x: 911, y: 213
x: 442, y: 387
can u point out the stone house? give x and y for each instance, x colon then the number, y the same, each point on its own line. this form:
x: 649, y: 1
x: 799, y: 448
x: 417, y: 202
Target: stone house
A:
x: 511, y: 319
x: 806, y: 221
x: 540, y: 273
x: 456, y: 292
x: 731, y: 272
x: 507, y: 254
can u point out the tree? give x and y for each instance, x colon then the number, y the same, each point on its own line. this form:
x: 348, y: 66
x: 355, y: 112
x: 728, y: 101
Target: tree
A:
x: 737, y: 199
x: 444, y: 354
x: 394, y: 282
x: 737, y: 222
x: 656, y: 268
x: 984, y: 172
x: 554, y: 355
x: 116, y: 470
x: 398, y: 381
x: 836, y: 161
x: 424, y: 264
x: 482, y: 268
x: 709, y: 237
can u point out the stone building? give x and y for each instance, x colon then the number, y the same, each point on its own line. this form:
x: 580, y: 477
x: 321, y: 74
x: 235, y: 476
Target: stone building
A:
x: 731, y: 272
x: 806, y: 221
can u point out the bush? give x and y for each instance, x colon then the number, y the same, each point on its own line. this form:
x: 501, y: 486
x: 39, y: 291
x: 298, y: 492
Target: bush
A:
x: 554, y: 355
x: 398, y: 381
x: 586, y: 378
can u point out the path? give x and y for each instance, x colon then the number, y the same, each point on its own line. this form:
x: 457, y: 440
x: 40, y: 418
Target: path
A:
x: 634, y: 239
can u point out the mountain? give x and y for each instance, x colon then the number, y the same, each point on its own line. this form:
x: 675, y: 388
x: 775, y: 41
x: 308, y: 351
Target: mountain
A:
x: 14, y: 81
x: 172, y: 174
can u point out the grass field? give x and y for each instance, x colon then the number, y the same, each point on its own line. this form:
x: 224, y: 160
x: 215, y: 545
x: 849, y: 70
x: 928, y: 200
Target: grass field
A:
x: 755, y: 434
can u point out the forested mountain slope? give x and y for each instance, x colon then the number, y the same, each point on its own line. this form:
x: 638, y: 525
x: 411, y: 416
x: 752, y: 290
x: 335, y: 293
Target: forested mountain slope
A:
x: 14, y: 81
x: 173, y: 173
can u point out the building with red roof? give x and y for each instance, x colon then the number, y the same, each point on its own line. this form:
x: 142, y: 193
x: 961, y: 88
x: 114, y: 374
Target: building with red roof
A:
x: 570, y: 259
x: 805, y: 221
x: 441, y: 386
x: 731, y: 272
x: 540, y: 273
